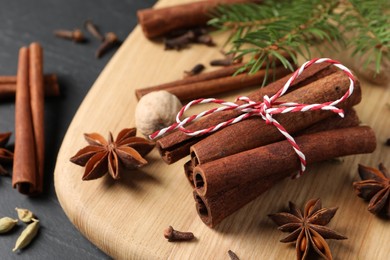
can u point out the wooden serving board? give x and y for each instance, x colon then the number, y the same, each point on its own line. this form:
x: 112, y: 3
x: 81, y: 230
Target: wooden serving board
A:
x: 126, y: 218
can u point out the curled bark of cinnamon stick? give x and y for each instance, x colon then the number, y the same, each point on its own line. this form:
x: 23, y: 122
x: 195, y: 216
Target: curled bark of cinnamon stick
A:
x: 215, y: 74
x: 157, y: 22
x: 37, y: 110
x: 254, y: 132
x: 227, y: 184
x: 27, y: 174
x: 176, y: 145
x: 24, y: 169
x: 8, y: 86
x: 214, y: 81
x: 222, y: 85
x: 334, y: 122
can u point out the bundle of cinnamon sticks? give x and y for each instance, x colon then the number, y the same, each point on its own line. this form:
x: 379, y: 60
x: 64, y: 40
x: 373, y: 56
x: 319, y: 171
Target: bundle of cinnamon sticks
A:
x: 28, y: 166
x: 234, y: 165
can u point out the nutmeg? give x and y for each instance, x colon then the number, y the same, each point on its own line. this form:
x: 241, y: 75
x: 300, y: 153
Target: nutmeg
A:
x: 155, y: 111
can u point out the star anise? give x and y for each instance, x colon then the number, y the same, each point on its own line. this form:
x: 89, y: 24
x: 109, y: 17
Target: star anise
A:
x: 102, y: 156
x: 375, y: 187
x: 308, y: 229
x: 6, y: 156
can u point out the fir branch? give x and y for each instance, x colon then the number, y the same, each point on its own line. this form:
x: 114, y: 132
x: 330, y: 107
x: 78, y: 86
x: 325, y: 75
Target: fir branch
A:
x: 263, y: 32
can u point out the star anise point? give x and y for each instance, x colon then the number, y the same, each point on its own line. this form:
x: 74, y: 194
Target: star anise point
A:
x: 112, y: 156
x: 375, y: 188
x: 309, y: 231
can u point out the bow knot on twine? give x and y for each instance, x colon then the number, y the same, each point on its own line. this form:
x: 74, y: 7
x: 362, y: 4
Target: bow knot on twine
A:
x: 265, y: 109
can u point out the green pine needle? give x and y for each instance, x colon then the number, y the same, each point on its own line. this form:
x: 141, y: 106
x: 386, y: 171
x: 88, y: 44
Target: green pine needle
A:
x: 264, y: 31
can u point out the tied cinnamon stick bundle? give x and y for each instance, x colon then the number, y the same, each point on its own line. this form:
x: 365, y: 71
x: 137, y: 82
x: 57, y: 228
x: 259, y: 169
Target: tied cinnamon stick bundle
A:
x: 176, y: 145
x: 255, y: 132
x: 227, y: 184
x: 8, y: 86
x: 334, y: 122
x: 27, y: 174
x: 157, y: 22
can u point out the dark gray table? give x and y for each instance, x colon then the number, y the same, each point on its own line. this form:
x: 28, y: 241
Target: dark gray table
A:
x: 25, y: 21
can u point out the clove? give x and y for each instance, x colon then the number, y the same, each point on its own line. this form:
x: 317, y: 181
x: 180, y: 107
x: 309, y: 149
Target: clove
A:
x: 179, y: 42
x: 205, y: 39
x: 75, y: 35
x: 198, y: 68
x: 229, y: 60
x: 233, y: 255
x: 92, y: 29
x: 174, y: 235
x: 110, y: 41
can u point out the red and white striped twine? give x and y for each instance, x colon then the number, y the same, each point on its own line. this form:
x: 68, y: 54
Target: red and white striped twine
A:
x: 264, y: 109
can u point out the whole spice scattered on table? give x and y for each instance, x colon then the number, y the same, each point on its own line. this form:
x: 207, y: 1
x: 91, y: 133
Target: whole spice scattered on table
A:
x: 27, y: 235
x: 28, y: 170
x: 102, y: 156
x: 7, y: 224
x: 76, y: 35
x: 175, y: 235
x: 92, y: 29
x: 8, y: 86
x: 155, y: 111
x: 110, y: 41
x: 6, y: 156
x: 25, y: 215
x: 232, y: 255
x: 308, y: 228
x: 197, y: 69
x: 375, y: 187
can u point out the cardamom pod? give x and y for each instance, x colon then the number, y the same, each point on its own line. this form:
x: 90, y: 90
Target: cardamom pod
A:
x: 27, y: 235
x: 6, y: 224
x: 25, y: 215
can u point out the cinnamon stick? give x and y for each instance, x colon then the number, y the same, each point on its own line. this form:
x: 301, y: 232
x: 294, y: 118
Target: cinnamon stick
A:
x: 24, y: 169
x: 37, y: 110
x: 254, y: 132
x: 334, y: 122
x: 176, y: 145
x: 227, y: 184
x: 221, y: 85
x: 188, y: 84
x: 157, y: 22
x: 28, y: 169
x: 8, y: 86
x: 215, y: 74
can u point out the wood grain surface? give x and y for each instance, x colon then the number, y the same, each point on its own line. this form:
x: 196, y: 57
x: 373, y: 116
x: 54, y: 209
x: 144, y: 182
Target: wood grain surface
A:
x: 126, y: 218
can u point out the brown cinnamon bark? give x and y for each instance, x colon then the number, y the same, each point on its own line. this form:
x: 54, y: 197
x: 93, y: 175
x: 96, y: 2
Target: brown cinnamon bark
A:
x: 227, y: 184
x: 176, y: 145
x: 191, y: 87
x: 334, y: 122
x: 254, y: 132
x: 24, y: 169
x: 215, y: 74
x: 157, y: 22
x: 222, y: 85
x: 37, y: 110
x: 8, y: 86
